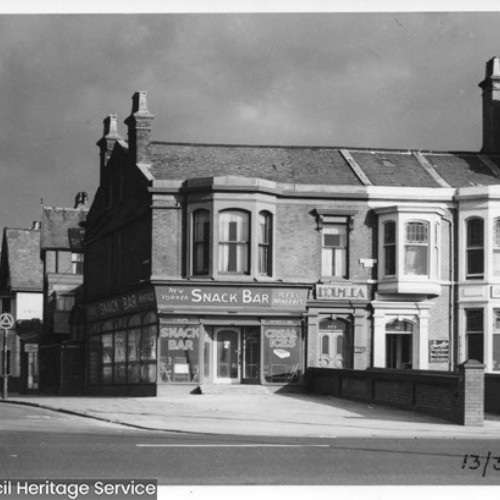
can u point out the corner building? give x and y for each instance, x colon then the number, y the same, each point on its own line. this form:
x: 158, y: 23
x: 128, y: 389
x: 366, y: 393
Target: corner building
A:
x: 208, y: 265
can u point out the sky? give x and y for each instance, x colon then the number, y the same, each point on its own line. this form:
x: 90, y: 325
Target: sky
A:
x: 377, y: 79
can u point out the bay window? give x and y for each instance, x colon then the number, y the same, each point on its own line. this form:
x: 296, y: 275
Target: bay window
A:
x: 234, y: 239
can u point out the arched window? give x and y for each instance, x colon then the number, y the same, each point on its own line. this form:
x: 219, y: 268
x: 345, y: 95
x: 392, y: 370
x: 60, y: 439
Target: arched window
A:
x: 325, y: 345
x: 234, y: 240
x: 265, y: 244
x: 417, y: 248
x: 201, y: 242
x: 475, y: 249
x: 390, y: 248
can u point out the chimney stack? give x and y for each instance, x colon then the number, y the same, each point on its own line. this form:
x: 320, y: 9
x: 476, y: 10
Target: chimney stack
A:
x: 139, y: 129
x: 491, y: 107
x: 107, y: 142
x: 81, y: 200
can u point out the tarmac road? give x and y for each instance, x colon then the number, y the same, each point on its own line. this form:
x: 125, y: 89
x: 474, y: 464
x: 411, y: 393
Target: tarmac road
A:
x: 40, y: 444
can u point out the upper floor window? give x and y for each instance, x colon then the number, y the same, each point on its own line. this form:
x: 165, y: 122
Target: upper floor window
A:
x: 234, y: 239
x: 416, y: 248
x: 77, y: 263
x: 475, y: 249
x: 201, y: 242
x: 390, y: 248
x: 265, y: 243
x: 496, y: 247
x: 334, y: 251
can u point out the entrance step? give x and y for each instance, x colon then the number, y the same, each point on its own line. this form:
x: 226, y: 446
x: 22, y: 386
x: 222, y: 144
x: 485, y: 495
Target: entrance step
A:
x: 242, y: 389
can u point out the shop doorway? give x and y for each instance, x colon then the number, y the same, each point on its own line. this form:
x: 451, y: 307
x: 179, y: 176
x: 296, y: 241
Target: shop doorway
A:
x: 335, y: 344
x: 227, y: 356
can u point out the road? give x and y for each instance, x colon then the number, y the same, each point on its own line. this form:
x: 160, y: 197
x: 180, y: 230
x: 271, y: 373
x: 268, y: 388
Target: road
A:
x: 41, y: 444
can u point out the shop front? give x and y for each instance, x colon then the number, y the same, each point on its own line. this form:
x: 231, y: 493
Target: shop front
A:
x: 150, y: 340
x: 231, y: 335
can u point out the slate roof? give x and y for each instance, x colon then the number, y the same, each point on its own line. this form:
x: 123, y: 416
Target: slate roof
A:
x: 21, y: 254
x: 55, y: 225
x: 320, y: 165
x: 306, y: 165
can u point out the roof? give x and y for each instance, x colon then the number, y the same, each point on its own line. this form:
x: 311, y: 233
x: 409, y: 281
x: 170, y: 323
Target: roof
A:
x: 55, y: 225
x: 324, y: 165
x: 21, y: 256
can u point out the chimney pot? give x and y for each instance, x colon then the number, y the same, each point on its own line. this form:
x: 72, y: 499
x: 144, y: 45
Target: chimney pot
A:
x: 81, y: 199
x: 35, y: 226
x: 111, y: 127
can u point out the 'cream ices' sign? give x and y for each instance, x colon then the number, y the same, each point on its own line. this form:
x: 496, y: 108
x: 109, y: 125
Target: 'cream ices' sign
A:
x: 228, y: 297
x: 341, y: 292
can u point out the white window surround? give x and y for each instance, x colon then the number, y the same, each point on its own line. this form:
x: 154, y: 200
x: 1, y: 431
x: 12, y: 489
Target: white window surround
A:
x: 416, y: 313
x: 215, y: 206
x: 428, y: 219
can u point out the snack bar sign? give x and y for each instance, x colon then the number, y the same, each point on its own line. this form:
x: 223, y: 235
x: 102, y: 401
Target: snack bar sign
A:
x: 231, y: 297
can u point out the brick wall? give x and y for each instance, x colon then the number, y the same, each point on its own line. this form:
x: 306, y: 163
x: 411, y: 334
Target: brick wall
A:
x: 457, y: 396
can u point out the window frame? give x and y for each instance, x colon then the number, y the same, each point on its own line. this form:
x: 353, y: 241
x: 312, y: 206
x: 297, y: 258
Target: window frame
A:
x: 476, y: 248
x: 265, y: 248
x: 412, y: 244
x: 344, y: 251
x: 235, y: 244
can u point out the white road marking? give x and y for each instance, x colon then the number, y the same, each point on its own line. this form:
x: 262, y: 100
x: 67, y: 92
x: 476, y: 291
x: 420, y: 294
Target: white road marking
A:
x: 233, y: 445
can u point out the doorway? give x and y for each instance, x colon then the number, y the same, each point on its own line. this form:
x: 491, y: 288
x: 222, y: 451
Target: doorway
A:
x: 227, y: 356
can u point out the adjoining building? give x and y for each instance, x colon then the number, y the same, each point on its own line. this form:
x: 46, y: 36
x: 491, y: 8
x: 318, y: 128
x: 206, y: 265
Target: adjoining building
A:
x: 21, y: 293
x: 62, y: 346
x: 226, y: 264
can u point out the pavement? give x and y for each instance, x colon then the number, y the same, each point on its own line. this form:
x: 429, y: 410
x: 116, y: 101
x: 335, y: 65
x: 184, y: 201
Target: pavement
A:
x: 276, y: 414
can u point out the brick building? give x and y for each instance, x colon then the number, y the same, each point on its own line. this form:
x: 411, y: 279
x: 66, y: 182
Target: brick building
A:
x: 21, y: 295
x: 62, y: 346
x: 218, y: 264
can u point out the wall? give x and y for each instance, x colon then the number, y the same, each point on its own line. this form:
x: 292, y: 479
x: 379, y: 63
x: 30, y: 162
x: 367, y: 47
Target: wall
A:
x: 451, y: 396
x: 29, y: 305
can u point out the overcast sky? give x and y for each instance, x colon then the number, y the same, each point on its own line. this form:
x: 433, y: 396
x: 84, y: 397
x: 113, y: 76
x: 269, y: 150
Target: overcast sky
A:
x: 402, y: 80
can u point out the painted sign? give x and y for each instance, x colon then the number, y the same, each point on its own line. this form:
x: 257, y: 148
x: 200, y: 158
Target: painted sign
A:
x: 30, y: 347
x: 231, y: 297
x: 439, y: 350
x: 341, y: 292
x: 180, y: 337
x: 126, y: 303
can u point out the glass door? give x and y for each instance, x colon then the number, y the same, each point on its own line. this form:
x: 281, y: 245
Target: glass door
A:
x: 227, y: 355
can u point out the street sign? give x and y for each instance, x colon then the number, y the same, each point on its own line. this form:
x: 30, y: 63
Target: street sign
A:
x: 6, y: 321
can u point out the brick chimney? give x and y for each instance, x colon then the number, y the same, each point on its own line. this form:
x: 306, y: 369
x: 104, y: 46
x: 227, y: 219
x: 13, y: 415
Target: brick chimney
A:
x: 491, y: 107
x: 81, y: 200
x: 107, y: 142
x: 139, y: 129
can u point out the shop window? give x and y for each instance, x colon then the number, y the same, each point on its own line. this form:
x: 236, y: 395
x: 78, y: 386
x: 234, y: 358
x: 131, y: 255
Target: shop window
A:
x: 148, y: 349
x: 475, y: 334
x: 265, y: 243
x: 201, y: 242
x: 94, y: 359
x: 334, y: 251
x: 399, y: 344
x: 282, y: 353
x: 496, y: 247
x: 234, y: 242
x: 77, y: 263
x: 389, y: 248
x: 475, y: 248
x: 416, y: 248
x: 179, y: 353
x: 120, y: 357
x: 134, y: 350
x: 107, y: 357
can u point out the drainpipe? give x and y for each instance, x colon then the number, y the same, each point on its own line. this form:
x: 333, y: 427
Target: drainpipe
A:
x: 451, y: 361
